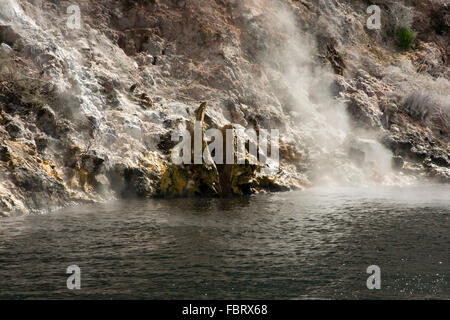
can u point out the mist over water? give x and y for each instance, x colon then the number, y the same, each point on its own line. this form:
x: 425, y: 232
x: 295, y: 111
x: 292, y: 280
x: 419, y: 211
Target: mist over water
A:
x: 308, y: 245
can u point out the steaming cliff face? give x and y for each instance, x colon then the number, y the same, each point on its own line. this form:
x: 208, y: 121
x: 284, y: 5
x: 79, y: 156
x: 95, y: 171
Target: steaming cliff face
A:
x: 86, y: 113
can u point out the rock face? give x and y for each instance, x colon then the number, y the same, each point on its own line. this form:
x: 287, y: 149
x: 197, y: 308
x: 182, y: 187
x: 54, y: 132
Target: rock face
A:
x: 89, y: 103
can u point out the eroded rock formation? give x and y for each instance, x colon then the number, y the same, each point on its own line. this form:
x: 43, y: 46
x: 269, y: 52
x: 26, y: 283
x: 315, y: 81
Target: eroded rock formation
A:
x: 87, y: 114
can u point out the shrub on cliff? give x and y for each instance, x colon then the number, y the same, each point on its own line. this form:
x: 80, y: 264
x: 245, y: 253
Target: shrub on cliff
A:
x: 419, y: 105
x: 405, y: 37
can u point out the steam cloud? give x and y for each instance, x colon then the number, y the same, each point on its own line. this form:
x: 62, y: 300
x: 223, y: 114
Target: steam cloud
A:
x: 303, y: 87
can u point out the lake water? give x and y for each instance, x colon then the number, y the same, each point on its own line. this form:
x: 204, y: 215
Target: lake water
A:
x: 315, y: 244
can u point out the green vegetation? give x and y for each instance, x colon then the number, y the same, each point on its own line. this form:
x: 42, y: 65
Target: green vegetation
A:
x: 405, y: 37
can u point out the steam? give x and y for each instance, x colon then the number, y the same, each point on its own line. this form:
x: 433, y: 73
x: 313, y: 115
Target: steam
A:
x: 339, y: 155
x: 10, y: 11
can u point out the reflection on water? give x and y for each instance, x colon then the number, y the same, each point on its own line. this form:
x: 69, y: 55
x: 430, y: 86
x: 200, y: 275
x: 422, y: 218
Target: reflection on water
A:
x: 297, y: 245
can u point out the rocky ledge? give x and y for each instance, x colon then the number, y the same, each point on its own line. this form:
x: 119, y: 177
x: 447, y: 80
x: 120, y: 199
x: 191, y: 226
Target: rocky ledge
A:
x: 88, y: 109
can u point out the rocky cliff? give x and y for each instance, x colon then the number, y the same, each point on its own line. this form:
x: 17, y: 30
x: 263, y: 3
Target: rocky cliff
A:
x: 91, y: 93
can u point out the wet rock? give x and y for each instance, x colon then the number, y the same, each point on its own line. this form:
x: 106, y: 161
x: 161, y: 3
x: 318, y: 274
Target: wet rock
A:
x: 219, y: 178
x: 8, y: 35
x: 5, y: 154
x: 136, y: 182
x: 154, y: 46
x: 363, y: 112
x: 237, y: 115
x: 145, y: 100
x: 91, y: 170
x: 190, y: 180
x: 10, y: 205
x: 6, y: 48
x: 165, y: 143
x: 339, y: 86
x: 389, y: 110
x: 175, y: 54
x: 14, y: 128
x: 46, y: 120
x: 336, y: 60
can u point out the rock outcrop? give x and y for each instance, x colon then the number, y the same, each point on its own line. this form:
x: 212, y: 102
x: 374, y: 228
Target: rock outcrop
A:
x: 88, y: 110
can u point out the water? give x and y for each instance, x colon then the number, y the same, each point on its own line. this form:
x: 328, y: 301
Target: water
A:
x: 297, y: 245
